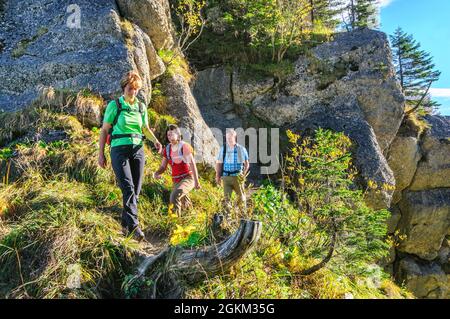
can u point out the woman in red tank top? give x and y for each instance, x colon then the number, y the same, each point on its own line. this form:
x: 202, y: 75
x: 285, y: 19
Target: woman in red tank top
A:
x: 178, y: 155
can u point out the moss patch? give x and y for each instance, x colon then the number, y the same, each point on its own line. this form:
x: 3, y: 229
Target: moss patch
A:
x: 327, y: 73
x: 22, y: 46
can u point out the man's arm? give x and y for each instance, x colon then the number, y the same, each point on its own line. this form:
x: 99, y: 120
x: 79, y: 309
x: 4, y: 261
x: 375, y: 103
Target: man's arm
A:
x: 246, y: 167
x: 193, y: 167
x: 219, y: 166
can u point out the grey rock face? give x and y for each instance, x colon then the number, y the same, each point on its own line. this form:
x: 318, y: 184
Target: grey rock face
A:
x: 393, y: 219
x: 152, y: 16
x: 355, y: 65
x: 425, y: 280
x: 421, y: 168
x: 43, y: 49
x: 403, y: 158
x: 246, y: 90
x: 212, y: 89
x: 425, y: 221
x: 182, y: 105
x: 434, y: 170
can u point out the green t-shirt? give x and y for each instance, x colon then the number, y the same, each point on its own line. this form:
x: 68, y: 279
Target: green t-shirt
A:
x: 130, y: 121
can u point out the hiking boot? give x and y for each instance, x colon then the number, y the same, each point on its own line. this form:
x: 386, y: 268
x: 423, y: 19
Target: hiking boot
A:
x: 137, y: 233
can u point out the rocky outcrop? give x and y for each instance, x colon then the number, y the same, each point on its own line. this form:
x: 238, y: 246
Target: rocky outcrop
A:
x: 347, y: 85
x: 425, y: 221
x: 354, y: 65
x: 425, y: 280
x: 225, y: 94
x: 152, y: 16
x: 433, y: 171
x: 182, y: 105
x: 45, y: 46
x: 421, y: 166
x: 347, y: 117
x: 403, y: 158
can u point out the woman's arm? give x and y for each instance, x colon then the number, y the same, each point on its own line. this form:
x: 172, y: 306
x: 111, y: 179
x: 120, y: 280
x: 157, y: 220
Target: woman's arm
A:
x: 103, y: 134
x: 161, y: 169
x: 148, y: 133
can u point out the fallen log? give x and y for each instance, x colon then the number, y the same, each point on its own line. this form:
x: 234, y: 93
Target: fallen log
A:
x: 174, y: 264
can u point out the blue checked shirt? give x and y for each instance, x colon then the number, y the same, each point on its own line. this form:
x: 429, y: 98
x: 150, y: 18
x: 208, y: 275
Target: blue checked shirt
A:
x: 232, y: 159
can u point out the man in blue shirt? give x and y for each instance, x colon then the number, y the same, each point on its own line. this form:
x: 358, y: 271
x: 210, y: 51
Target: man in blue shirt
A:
x: 231, y: 168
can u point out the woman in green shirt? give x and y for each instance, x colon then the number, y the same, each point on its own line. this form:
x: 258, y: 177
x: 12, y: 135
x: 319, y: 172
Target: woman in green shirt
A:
x: 129, y: 124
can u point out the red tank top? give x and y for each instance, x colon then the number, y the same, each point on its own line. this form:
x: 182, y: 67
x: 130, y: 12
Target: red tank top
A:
x: 180, y: 169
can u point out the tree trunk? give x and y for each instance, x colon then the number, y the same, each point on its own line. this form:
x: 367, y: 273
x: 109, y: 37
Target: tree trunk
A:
x: 327, y: 258
x: 192, y: 266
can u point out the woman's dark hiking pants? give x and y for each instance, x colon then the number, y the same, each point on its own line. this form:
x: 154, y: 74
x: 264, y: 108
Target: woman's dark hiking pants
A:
x: 128, y: 164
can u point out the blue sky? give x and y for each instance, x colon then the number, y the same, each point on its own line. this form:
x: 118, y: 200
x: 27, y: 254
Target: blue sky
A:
x: 429, y: 23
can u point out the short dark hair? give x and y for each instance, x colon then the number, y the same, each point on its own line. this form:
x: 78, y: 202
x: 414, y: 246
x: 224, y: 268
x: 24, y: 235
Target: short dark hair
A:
x: 173, y: 127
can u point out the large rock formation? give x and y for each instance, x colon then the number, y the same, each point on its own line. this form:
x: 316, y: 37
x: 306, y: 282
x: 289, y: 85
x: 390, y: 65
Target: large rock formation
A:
x: 425, y: 280
x: 45, y: 44
x: 421, y: 164
x: 433, y: 170
x: 182, y: 105
x: 425, y: 221
x: 355, y: 65
x: 153, y: 16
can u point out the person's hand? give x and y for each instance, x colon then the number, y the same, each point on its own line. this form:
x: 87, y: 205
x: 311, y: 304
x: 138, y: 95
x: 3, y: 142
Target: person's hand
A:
x: 156, y: 175
x: 159, y: 147
x: 242, y: 177
x: 197, y: 185
x: 102, y: 160
x: 218, y: 179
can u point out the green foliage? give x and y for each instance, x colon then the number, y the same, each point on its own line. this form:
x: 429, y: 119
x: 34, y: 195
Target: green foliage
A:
x: 361, y: 14
x: 295, y: 238
x: 189, y: 14
x: 6, y: 153
x: 175, y: 63
x: 261, y: 31
x: 160, y: 123
x: 319, y: 177
x: 415, y: 70
x: 23, y: 44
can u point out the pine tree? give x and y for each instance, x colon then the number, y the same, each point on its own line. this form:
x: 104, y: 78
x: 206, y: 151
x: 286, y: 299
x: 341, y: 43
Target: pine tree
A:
x: 362, y: 13
x: 415, y: 70
x: 325, y: 12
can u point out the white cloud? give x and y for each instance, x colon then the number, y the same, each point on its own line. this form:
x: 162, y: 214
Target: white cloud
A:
x: 440, y: 92
x: 385, y: 3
